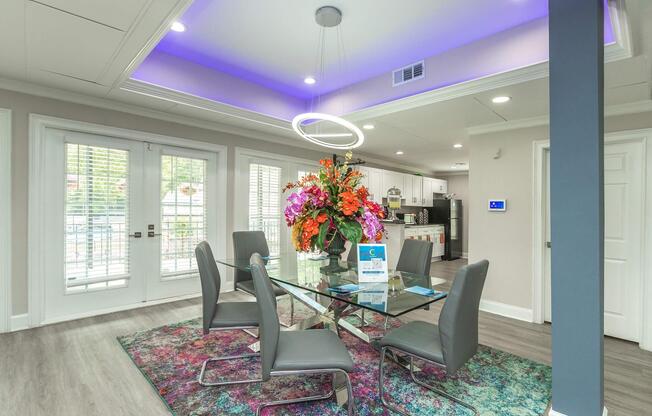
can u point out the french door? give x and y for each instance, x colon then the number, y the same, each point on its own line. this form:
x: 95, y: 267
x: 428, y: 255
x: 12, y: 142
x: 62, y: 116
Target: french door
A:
x: 123, y: 220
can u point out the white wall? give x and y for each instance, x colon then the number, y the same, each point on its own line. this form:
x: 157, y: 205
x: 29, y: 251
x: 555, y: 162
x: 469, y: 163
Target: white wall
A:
x: 505, y: 239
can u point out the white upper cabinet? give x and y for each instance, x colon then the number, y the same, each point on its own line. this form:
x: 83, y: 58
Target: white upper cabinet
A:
x: 440, y: 186
x: 428, y: 190
x: 416, y: 191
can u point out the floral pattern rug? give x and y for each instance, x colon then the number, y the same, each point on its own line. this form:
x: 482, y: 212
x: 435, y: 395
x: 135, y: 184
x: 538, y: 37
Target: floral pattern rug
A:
x: 170, y: 357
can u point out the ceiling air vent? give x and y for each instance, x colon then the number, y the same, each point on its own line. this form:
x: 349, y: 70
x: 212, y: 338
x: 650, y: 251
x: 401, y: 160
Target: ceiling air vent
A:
x: 407, y: 74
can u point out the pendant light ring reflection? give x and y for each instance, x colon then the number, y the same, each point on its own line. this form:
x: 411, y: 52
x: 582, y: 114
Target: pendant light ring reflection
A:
x: 356, y: 133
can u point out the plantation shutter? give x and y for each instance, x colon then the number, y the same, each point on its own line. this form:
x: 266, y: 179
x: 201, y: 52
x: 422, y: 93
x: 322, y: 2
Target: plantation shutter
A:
x: 265, y: 203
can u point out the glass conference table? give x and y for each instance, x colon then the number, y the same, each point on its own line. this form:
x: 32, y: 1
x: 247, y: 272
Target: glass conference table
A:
x: 305, y: 278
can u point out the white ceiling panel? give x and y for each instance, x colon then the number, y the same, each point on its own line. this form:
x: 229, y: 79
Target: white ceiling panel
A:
x: 119, y: 14
x: 61, y: 43
x: 12, y: 38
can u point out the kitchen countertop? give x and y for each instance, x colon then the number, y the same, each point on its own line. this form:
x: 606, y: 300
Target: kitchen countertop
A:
x: 425, y: 225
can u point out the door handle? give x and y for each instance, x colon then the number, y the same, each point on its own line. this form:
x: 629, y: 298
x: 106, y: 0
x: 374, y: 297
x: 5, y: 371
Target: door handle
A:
x: 548, y: 244
x: 153, y: 234
x: 136, y: 235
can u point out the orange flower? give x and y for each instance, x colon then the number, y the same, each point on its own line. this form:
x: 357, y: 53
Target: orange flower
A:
x: 363, y: 193
x: 350, y: 203
x: 321, y: 218
x: 327, y: 163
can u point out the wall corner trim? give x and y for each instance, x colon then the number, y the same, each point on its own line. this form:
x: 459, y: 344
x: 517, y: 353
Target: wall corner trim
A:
x: 5, y: 220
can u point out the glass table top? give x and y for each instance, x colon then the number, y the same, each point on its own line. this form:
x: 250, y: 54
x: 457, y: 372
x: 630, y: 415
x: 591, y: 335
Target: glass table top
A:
x: 304, y: 271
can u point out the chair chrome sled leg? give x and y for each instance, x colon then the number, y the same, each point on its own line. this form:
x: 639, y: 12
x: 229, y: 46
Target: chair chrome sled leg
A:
x: 442, y: 393
x: 349, y: 389
x: 227, y: 382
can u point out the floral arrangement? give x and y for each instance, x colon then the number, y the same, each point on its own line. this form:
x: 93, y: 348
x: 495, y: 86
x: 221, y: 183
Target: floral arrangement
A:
x: 332, y: 206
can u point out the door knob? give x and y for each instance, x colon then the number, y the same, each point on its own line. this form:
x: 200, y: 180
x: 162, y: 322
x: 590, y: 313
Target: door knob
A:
x: 548, y: 244
x: 136, y: 235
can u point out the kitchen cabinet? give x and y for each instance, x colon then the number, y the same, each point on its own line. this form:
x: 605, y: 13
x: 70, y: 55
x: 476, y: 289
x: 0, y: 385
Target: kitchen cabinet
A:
x: 428, y: 190
x: 373, y: 182
x: 392, y: 180
x: 416, y: 190
x: 413, y: 192
x: 440, y: 186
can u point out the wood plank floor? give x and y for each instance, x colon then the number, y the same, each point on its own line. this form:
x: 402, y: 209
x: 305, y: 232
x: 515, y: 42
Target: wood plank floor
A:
x: 78, y: 368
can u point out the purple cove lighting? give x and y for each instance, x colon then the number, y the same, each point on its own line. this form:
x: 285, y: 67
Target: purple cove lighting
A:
x: 180, y: 75
x: 176, y: 65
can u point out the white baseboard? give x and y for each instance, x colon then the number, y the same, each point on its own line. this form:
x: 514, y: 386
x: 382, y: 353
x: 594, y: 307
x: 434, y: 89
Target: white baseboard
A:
x: 553, y: 413
x: 509, y: 311
x: 19, y: 322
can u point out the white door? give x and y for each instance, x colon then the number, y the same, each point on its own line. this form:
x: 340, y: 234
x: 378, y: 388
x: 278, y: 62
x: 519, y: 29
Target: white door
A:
x: 180, y: 214
x: 623, y: 210
x: 103, y: 193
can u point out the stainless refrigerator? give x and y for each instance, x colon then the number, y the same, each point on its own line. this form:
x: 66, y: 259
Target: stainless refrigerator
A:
x: 449, y: 213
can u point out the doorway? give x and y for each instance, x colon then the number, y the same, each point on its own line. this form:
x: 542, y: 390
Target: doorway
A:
x: 623, y: 233
x: 122, y: 221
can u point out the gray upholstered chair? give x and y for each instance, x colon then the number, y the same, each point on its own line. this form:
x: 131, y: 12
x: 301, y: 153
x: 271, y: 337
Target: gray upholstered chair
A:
x: 451, y: 343
x: 415, y: 257
x: 221, y: 316
x: 315, y: 351
x: 246, y: 243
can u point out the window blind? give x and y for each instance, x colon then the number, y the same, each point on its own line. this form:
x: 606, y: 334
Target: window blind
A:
x: 96, y: 217
x: 183, y: 214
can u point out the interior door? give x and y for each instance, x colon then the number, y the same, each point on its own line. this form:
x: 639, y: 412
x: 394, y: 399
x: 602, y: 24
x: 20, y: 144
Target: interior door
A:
x: 94, y: 218
x: 623, y: 190
x: 181, y: 212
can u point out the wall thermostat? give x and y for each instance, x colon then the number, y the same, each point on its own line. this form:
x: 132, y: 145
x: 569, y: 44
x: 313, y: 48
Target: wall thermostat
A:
x: 497, y: 205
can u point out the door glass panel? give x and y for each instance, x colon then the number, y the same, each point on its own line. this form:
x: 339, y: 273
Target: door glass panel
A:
x: 96, y: 217
x: 265, y: 203
x: 183, y: 214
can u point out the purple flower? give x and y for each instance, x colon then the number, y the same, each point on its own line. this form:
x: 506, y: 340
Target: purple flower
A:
x: 371, y: 225
x: 294, y: 208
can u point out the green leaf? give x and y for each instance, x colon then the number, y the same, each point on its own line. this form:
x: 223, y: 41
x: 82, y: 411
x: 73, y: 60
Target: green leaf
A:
x: 321, y: 238
x: 351, y: 230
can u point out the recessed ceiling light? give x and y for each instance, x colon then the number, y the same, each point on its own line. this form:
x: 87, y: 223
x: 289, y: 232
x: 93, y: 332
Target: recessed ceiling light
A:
x: 500, y: 99
x: 399, y: 152
x: 453, y: 167
x: 368, y: 127
x: 178, y: 27
x: 458, y: 145
x: 309, y: 80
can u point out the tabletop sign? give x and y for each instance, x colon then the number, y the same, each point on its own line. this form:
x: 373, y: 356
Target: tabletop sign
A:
x: 372, y: 263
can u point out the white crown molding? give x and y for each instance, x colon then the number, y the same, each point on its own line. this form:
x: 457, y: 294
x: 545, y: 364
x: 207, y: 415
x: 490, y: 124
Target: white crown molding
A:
x: 611, y: 111
x: 114, y: 105
x: 5, y: 220
x: 190, y: 100
x: 463, y: 89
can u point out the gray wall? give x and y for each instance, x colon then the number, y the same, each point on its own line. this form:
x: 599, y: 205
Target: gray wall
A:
x: 22, y: 105
x: 506, y: 238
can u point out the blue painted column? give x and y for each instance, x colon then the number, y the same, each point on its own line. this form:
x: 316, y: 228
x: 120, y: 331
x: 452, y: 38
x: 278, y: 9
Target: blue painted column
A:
x: 576, y: 187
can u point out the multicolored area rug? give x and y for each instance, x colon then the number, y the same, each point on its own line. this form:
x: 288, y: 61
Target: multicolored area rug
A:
x: 170, y: 357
